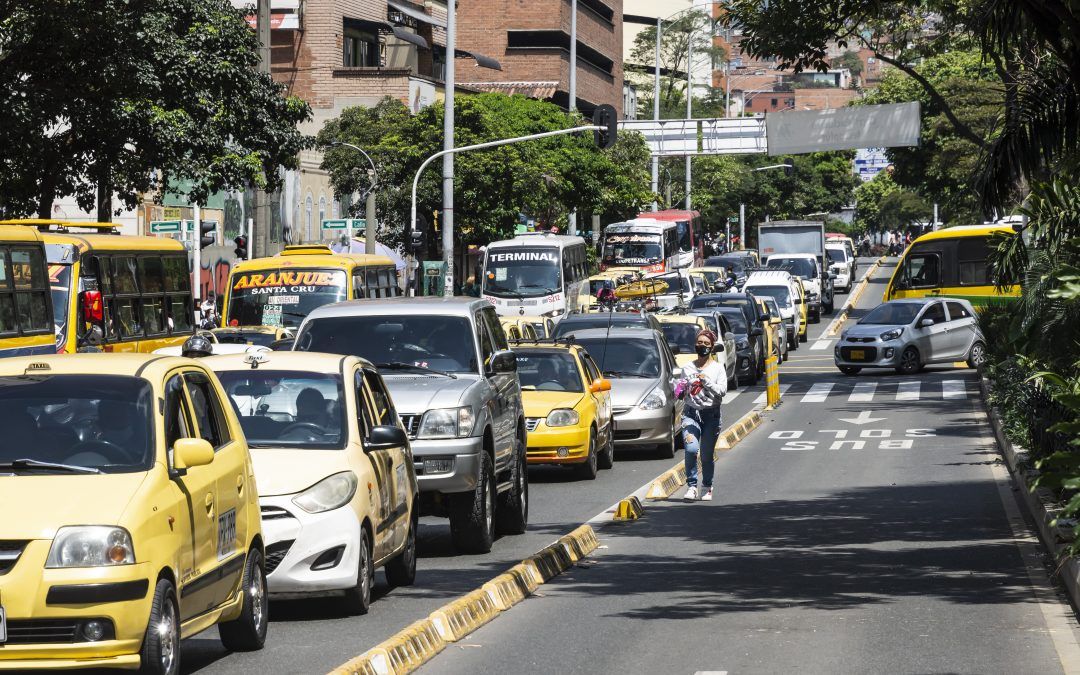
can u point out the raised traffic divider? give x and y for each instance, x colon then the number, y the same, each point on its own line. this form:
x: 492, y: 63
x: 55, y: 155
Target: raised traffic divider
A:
x: 772, y: 382
x: 628, y: 509
x: 403, y: 653
x: 457, y: 619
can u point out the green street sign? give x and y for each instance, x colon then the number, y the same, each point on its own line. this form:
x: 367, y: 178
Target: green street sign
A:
x: 344, y: 223
x: 164, y: 226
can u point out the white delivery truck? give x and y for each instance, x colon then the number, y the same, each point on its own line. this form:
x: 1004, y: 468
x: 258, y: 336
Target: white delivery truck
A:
x: 798, y: 246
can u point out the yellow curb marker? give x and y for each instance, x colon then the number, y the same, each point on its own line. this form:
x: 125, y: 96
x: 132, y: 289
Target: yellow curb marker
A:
x: 629, y: 509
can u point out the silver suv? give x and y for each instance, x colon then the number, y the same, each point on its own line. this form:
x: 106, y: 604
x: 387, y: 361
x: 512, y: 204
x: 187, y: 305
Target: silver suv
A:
x: 454, y: 383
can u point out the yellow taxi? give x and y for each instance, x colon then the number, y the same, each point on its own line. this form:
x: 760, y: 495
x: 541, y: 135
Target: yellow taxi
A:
x: 801, y: 302
x: 137, y: 514
x: 26, y: 312
x: 518, y: 329
x: 335, y: 470
x: 567, y: 408
x: 712, y: 278
x: 263, y: 336
x: 544, y: 326
x: 680, y: 331
x: 610, y: 279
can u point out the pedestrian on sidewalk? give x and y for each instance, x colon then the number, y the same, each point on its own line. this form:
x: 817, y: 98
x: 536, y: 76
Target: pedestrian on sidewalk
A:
x: 702, y: 384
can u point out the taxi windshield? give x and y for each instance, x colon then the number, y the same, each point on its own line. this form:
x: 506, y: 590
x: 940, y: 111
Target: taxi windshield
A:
x: 273, y: 297
x: 75, y: 424
x: 548, y: 371
x: 246, y: 338
x: 286, y: 409
x: 684, y: 335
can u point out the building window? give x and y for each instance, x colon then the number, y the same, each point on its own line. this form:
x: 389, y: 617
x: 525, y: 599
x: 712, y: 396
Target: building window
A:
x: 773, y: 102
x: 322, y: 210
x: 307, y: 222
x: 360, y: 45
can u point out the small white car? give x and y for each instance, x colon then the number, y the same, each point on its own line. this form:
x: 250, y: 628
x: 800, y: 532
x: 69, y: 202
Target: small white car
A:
x: 334, y: 470
x: 841, y: 263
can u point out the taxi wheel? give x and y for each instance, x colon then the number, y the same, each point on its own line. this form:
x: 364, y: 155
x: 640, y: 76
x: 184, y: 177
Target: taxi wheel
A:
x: 606, y: 460
x: 401, y: 571
x: 248, y: 631
x: 357, y: 599
x: 802, y: 338
x: 160, y: 652
x: 587, y: 469
x: 512, y: 514
x: 472, y: 514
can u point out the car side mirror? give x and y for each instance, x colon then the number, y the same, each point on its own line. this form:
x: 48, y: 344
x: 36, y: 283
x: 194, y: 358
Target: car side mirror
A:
x: 798, y: 301
x: 926, y: 323
x: 600, y: 384
x: 673, y: 347
x: 191, y: 452
x: 757, y: 330
x: 718, y: 348
x: 503, y: 362
x: 93, y: 337
x: 385, y: 437
x: 765, y: 316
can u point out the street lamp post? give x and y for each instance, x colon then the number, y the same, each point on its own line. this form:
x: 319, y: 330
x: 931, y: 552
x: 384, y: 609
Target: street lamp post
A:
x: 656, y: 110
x: 369, y: 221
x: 448, y: 147
x: 573, y: 89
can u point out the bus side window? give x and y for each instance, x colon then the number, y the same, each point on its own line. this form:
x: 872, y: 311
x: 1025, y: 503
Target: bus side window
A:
x: 923, y: 270
x: 359, y: 287
x: 178, y: 293
x: 971, y: 255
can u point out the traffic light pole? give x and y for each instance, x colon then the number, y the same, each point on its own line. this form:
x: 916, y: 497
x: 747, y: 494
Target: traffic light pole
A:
x: 196, y: 246
x: 447, y: 225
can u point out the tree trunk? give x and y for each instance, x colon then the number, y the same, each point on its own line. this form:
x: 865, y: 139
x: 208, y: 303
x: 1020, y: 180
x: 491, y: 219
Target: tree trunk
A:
x: 104, y: 196
x: 46, y: 195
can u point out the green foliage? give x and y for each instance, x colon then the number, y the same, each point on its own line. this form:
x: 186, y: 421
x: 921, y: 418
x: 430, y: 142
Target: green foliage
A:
x: 546, y: 178
x: 901, y: 208
x: 101, y: 95
x: 868, y: 197
x: 694, y: 30
x: 851, y: 61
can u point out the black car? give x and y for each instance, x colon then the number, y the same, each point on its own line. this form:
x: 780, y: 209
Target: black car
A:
x: 753, y: 316
x: 746, y: 370
x: 576, y: 322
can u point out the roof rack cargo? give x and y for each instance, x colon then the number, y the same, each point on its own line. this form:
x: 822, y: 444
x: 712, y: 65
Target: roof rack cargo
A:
x: 54, y: 225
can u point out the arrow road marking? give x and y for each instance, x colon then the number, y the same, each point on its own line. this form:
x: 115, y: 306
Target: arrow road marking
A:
x: 863, y: 418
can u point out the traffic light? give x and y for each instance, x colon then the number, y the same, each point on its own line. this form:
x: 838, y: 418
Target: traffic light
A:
x: 241, y: 249
x: 418, y: 240
x: 789, y: 167
x: 604, y: 116
x: 207, y: 233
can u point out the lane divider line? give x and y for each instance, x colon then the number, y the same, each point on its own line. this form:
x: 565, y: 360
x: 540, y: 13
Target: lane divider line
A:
x: 837, y: 323
x: 421, y: 641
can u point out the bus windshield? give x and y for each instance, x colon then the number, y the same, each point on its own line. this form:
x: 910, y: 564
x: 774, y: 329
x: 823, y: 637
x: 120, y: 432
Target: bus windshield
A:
x: 632, y: 249
x: 522, y: 272
x: 282, y: 297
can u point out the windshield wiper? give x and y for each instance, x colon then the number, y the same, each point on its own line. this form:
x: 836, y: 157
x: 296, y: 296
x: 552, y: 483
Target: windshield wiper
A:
x: 624, y: 373
x: 399, y: 365
x: 25, y: 463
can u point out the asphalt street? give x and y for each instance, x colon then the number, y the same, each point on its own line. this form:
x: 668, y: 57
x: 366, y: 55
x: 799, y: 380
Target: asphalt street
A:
x: 313, y: 636
x: 867, y: 526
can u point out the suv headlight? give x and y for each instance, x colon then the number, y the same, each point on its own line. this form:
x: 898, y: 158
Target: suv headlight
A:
x: 654, y: 401
x: 563, y: 417
x: 330, y: 493
x: 891, y: 334
x: 91, y: 546
x: 446, y: 423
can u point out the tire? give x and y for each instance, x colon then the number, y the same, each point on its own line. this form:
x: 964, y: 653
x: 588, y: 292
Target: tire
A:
x: 816, y: 317
x: 587, y: 469
x: 802, y: 338
x: 472, y: 517
x: 793, y: 343
x: 976, y: 355
x: 606, y: 459
x: 512, y: 510
x: 909, y: 362
x: 247, y: 633
x: 733, y: 382
x: 829, y: 307
x: 357, y: 599
x: 667, y: 450
x: 850, y: 370
x: 401, y: 570
x: 160, y: 651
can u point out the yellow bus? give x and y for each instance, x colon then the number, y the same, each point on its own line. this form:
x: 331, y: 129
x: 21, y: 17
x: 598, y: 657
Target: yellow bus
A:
x: 950, y: 262
x: 113, y: 292
x: 283, y: 289
x: 26, y: 326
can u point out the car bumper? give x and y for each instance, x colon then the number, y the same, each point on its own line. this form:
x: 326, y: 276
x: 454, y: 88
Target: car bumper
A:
x: 460, y: 460
x: 30, y: 593
x: 877, y: 354
x: 635, y: 426
x: 309, y: 553
x: 567, y: 445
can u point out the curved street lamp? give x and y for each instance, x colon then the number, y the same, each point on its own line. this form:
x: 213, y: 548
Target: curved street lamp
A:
x: 368, y: 196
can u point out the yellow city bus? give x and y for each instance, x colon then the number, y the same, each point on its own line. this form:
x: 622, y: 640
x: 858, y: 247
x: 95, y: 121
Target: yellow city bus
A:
x: 112, y: 292
x: 283, y: 289
x: 26, y: 326
x: 950, y: 262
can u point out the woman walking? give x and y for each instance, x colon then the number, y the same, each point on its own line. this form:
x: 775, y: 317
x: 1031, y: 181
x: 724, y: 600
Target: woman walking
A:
x: 702, y: 384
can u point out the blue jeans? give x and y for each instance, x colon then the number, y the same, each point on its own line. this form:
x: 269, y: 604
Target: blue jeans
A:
x: 700, y: 430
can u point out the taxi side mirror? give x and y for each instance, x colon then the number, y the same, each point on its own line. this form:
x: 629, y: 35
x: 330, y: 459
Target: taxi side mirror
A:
x: 385, y: 437
x: 600, y: 384
x: 718, y: 348
x: 190, y: 452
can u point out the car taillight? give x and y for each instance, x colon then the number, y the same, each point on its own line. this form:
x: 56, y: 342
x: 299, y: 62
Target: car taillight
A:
x: 92, y: 309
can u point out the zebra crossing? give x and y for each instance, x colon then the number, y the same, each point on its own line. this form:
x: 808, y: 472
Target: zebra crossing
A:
x: 907, y: 391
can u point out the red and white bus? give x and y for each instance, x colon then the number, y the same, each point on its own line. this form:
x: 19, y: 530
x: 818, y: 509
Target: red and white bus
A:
x: 687, y: 234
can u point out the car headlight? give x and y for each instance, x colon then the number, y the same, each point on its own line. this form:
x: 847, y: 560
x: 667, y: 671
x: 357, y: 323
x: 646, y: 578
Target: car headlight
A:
x: 446, y: 423
x: 654, y: 401
x: 891, y: 334
x: 330, y: 493
x: 742, y: 343
x: 91, y: 546
x: 563, y: 417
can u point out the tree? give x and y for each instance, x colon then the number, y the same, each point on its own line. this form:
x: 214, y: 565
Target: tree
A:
x: 851, y: 61
x: 901, y: 208
x: 113, y: 95
x: 692, y: 29
x: 868, y: 197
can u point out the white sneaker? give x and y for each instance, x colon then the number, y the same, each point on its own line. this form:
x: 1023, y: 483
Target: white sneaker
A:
x: 691, y: 494
x: 707, y: 495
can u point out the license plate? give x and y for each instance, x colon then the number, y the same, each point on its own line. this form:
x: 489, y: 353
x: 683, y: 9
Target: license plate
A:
x: 226, y: 534
x: 3, y: 626
x: 858, y: 354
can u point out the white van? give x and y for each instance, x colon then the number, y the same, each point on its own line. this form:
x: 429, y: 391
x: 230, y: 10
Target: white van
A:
x: 780, y: 286
x: 842, y: 264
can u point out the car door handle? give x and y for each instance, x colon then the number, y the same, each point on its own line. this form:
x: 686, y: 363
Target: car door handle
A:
x: 240, y: 485
x: 209, y: 505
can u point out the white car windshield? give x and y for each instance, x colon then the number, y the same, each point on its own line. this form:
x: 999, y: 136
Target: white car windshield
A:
x: 287, y: 409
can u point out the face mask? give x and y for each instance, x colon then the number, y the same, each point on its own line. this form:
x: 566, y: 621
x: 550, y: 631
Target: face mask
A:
x: 703, y: 350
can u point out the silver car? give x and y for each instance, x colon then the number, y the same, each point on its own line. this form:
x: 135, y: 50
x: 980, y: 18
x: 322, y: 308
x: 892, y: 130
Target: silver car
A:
x: 640, y: 366
x: 912, y: 333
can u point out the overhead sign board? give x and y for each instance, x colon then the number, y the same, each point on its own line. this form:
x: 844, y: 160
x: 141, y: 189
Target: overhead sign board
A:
x: 868, y: 126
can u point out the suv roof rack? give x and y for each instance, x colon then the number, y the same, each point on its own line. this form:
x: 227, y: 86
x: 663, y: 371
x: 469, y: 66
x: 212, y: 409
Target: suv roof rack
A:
x: 55, y: 225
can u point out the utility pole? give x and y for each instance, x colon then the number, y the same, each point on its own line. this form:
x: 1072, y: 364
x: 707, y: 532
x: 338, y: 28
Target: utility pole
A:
x: 196, y: 255
x: 656, y: 111
x: 689, y: 101
x: 572, y: 230
x: 742, y: 225
x: 369, y: 219
x: 448, y: 145
x: 261, y: 246
x: 935, y: 225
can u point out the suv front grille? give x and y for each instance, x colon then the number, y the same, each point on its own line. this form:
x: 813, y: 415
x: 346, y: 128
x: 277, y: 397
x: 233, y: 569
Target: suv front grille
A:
x: 532, y: 422
x: 9, y: 554
x: 411, y: 424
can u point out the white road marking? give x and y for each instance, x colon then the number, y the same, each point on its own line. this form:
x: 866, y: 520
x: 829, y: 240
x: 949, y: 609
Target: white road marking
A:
x: 762, y: 398
x: 953, y: 389
x: 731, y: 394
x: 823, y: 343
x: 863, y: 392
x: 862, y: 418
x: 818, y: 393
x: 907, y: 391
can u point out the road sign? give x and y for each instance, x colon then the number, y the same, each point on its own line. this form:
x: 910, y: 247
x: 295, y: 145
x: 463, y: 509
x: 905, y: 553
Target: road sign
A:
x: 344, y: 223
x: 171, y: 213
x: 164, y: 226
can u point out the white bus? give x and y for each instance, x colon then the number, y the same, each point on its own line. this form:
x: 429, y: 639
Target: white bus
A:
x: 646, y: 244
x: 536, y: 274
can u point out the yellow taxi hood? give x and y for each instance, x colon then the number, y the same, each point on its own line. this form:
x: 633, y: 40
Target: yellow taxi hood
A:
x: 286, y: 471
x: 540, y: 403
x: 38, y: 505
